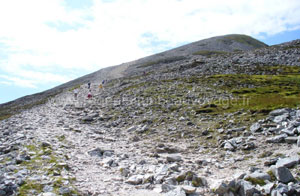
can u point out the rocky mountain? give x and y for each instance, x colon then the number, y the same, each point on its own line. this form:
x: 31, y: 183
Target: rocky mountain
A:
x: 210, y: 46
x: 215, y: 117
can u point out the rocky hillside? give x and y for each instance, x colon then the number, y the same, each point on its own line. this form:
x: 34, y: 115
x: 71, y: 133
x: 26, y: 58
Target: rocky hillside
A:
x: 221, y: 44
x: 205, y: 122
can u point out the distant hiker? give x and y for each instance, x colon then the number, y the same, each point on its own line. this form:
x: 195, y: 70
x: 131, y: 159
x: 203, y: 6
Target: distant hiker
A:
x: 103, y: 82
x: 100, y: 86
x: 76, y: 93
x: 89, y: 85
x: 90, y: 95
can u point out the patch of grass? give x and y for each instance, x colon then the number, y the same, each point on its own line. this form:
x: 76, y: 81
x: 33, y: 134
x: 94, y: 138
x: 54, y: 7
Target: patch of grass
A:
x: 5, y: 116
x: 280, y: 155
x: 267, y: 92
x: 75, y: 87
x: 209, y: 53
x: 243, y: 39
x: 256, y: 181
x: 163, y: 60
x: 29, y: 186
x: 265, y: 154
x: 271, y: 174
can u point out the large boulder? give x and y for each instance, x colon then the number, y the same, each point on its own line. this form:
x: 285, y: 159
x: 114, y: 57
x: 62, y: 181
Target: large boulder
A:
x: 283, y: 175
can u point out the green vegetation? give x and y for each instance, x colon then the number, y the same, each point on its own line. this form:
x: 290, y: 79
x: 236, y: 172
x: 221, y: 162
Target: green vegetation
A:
x: 209, y: 53
x: 44, y: 161
x: 75, y: 87
x: 28, y: 187
x: 244, y: 39
x: 271, y: 174
x: 256, y: 181
x: 164, y: 60
x: 265, y: 154
x: 264, y: 92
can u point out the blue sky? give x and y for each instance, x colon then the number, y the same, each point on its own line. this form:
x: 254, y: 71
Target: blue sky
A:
x: 46, y: 43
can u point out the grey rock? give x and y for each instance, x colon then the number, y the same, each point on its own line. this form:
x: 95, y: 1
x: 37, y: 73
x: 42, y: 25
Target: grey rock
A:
x: 282, y: 188
x: 288, y: 132
x: 174, y: 158
x: 278, y: 112
x: 220, y: 188
x: 229, y: 146
x: 176, y: 192
x: 267, y: 189
x: 46, y: 144
x: 247, y: 189
x: 124, y: 172
x: 287, y: 162
x: 279, y: 119
x: 298, y: 141
x: 291, y: 140
x: 283, y: 174
x: 148, y: 178
x: 248, y: 146
x: 167, y: 187
x: 277, y: 139
x: 64, y: 190
x: 96, y: 152
x: 189, y: 189
x: 162, y: 170
x: 87, y: 119
x: 271, y: 162
x: 255, y: 127
x: 47, y: 188
x: 130, y: 129
x: 48, y: 194
x: 174, y: 167
x: 135, y: 180
x: 259, y: 175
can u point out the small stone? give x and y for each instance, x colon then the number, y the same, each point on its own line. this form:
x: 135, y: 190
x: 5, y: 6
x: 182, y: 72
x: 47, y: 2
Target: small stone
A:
x: 291, y: 140
x: 64, y: 190
x: 255, y: 127
x: 298, y: 141
x: 49, y: 194
x: 278, y: 112
x: 135, y: 180
x: 246, y: 188
x: 229, y: 146
x: 167, y: 187
x: 174, y: 158
x: 46, y: 145
x: 96, y: 152
x: 277, y: 139
x: 189, y: 189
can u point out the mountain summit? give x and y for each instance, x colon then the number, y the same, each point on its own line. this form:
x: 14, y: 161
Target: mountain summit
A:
x: 215, y: 117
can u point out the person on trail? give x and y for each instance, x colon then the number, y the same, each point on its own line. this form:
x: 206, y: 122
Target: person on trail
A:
x: 89, y: 95
x: 89, y: 85
x: 100, y: 86
x: 75, y: 93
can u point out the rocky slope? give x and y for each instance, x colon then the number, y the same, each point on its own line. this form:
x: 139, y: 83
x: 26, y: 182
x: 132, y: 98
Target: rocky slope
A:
x: 203, y: 123
x: 212, y: 45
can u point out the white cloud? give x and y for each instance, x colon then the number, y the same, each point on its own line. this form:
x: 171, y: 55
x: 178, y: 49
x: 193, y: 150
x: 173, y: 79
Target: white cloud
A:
x: 18, y: 82
x: 44, y: 36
